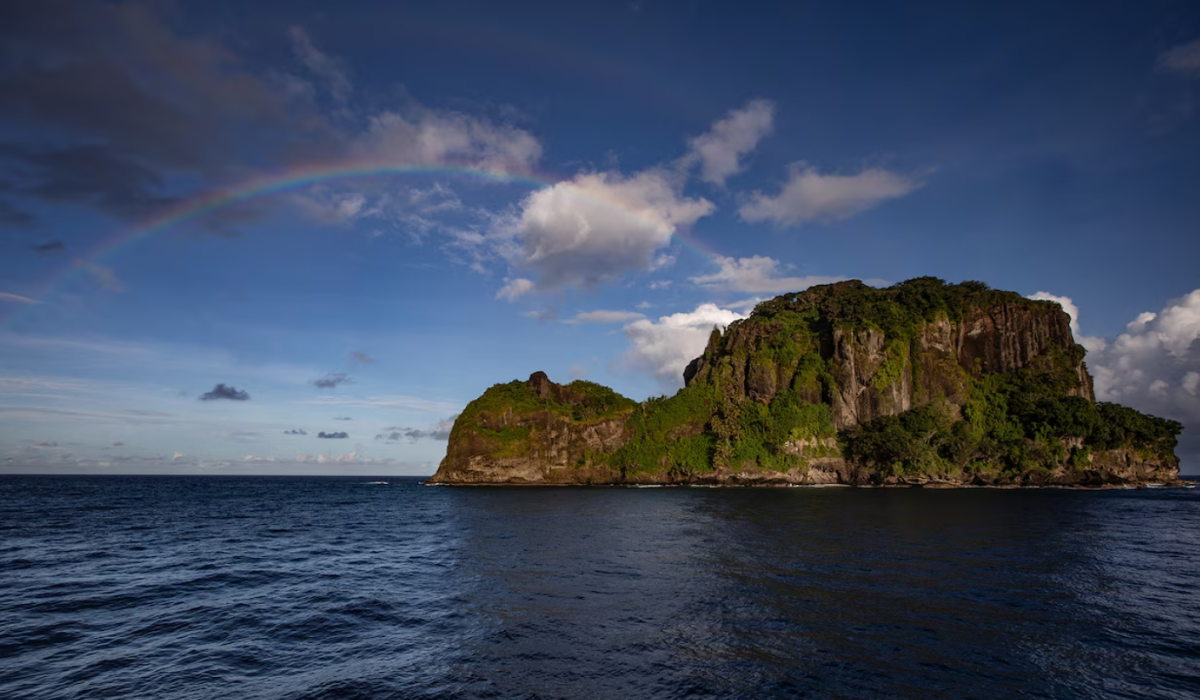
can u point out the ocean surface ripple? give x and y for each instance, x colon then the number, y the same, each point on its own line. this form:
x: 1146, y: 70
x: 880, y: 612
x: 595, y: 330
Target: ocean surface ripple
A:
x: 304, y: 588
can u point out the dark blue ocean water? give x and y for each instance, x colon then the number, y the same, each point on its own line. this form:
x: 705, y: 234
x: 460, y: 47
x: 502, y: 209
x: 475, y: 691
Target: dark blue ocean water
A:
x: 209, y: 587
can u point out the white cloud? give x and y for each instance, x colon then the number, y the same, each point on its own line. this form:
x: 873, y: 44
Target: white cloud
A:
x: 1184, y: 58
x: 665, y: 347
x: 328, y: 69
x: 757, y: 275
x: 1154, y: 366
x: 810, y: 196
x: 422, y: 136
x: 515, y: 288
x: 1092, y: 344
x: 721, y: 149
x: 603, y: 316
x: 596, y: 226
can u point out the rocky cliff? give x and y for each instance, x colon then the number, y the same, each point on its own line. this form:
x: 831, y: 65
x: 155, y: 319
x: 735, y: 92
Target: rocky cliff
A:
x: 919, y: 383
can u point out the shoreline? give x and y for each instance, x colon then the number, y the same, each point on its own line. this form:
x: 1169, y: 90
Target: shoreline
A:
x: 936, y: 486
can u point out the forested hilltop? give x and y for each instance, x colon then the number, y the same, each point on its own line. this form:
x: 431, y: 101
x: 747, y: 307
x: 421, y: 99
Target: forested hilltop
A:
x: 922, y: 382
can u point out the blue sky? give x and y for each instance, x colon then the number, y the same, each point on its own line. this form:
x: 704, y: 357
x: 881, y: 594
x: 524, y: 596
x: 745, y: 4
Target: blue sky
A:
x: 583, y: 189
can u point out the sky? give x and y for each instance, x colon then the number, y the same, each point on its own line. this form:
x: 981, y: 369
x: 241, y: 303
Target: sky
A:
x: 299, y: 237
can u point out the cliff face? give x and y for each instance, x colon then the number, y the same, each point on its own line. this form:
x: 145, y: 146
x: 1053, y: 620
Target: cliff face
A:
x: 875, y: 375
x: 536, y: 432
x: 920, y: 383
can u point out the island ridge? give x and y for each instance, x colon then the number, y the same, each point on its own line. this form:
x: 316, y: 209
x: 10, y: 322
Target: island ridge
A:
x: 921, y: 383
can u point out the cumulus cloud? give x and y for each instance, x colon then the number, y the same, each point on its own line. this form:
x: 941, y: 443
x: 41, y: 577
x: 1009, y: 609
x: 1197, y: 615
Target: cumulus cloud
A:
x: 222, y: 391
x: 604, y: 316
x: 515, y: 288
x: 720, y: 151
x: 1184, y: 58
x: 334, y: 436
x: 810, y: 196
x: 1093, y: 345
x: 664, y: 347
x: 332, y: 380
x: 297, y: 431
x: 757, y: 274
x: 596, y: 226
x: 1154, y: 366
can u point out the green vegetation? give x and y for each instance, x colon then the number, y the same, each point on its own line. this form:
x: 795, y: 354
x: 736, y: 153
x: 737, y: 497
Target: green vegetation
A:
x: 595, y: 402
x: 669, y: 434
x: 896, y: 310
x: 1014, y: 423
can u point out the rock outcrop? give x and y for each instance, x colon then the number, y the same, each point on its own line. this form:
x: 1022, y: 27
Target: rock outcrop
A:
x: 921, y: 383
x: 536, y: 432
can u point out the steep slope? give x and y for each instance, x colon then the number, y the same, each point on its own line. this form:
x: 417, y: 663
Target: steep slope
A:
x: 919, y: 383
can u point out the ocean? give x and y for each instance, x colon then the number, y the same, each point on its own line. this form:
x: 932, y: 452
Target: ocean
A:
x: 335, y: 587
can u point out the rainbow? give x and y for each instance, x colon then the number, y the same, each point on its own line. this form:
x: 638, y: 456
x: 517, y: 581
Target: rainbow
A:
x: 300, y: 179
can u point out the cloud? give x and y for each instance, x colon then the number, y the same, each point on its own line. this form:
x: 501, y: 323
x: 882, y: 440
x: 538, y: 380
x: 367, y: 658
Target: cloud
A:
x: 395, y: 402
x: 809, y: 196
x: 602, y: 316
x: 110, y: 103
x: 515, y: 288
x: 342, y: 418
x: 593, y: 228
x: 1184, y: 58
x: 118, y: 444
x: 361, y: 358
x: 542, y: 315
x: 757, y: 275
x: 97, y: 175
x: 333, y: 436
x: 663, y: 348
x: 103, y: 276
x: 222, y: 391
x: 720, y: 151
x: 46, y: 444
x: 1154, y: 366
x: 115, y: 109
x: 49, y: 248
x: 332, y: 71
x: 397, y: 433
x: 297, y: 431
x: 421, y: 136
x: 17, y: 298
x: 332, y: 380
x: 1093, y: 345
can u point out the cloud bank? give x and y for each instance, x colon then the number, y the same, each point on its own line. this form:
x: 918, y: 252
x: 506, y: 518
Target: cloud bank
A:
x: 664, y: 347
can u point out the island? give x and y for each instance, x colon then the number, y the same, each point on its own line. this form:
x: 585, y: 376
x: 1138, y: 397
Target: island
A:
x: 922, y: 383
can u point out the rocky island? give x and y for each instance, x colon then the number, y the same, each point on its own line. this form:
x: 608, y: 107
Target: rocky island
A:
x: 922, y: 384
